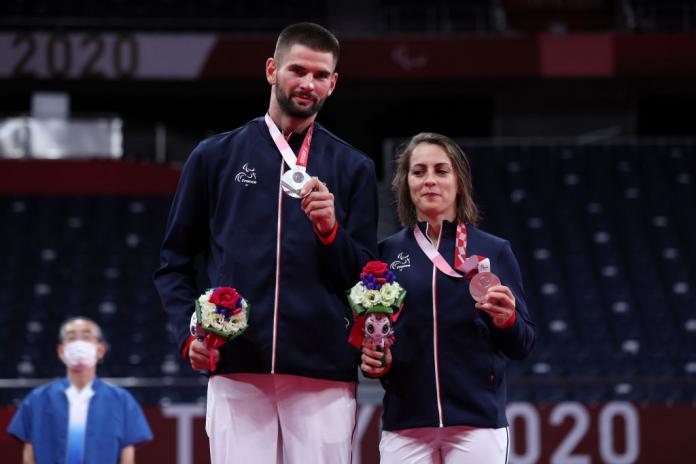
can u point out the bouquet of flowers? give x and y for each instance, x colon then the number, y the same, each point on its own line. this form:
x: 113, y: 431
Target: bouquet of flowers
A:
x: 374, y: 300
x: 221, y: 315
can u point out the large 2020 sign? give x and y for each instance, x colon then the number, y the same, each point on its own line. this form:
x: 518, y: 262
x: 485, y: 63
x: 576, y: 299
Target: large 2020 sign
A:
x: 561, y: 433
x: 616, y: 426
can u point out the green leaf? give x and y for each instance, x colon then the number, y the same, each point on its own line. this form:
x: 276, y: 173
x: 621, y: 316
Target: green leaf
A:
x: 356, y: 308
x: 400, y: 299
x: 380, y: 309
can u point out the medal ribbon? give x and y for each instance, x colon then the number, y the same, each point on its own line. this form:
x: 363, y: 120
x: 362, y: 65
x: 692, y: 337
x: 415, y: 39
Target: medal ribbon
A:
x: 468, y: 266
x: 295, y: 162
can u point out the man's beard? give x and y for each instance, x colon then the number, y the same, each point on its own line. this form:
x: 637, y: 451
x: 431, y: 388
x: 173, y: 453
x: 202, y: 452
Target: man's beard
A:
x: 291, y: 109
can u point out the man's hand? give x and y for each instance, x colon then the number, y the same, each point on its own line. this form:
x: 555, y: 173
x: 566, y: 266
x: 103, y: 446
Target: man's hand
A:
x: 318, y: 205
x: 28, y: 454
x: 375, y: 363
x: 198, y: 355
x: 127, y: 455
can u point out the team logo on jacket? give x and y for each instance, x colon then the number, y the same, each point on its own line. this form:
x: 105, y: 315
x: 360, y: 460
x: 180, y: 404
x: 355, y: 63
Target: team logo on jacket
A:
x: 402, y: 260
x: 246, y: 176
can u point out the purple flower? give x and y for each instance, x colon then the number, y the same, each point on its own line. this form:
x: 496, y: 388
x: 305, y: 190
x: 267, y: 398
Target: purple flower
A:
x: 224, y: 311
x: 370, y: 281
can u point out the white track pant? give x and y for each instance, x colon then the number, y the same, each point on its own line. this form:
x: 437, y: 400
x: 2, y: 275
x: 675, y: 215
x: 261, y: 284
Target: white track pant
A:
x: 447, y: 445
x: 273, y: 418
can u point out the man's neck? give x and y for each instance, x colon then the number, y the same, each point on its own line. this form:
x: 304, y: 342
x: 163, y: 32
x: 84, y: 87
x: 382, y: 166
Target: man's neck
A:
x: 80, y: 379
x: 287, y: 124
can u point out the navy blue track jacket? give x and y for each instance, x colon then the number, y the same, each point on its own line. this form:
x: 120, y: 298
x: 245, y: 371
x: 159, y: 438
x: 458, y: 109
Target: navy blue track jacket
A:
x: 448, y: 358
x: 229, y: 208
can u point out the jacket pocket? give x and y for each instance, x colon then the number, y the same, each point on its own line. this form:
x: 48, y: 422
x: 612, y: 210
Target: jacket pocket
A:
x: 496, y: 370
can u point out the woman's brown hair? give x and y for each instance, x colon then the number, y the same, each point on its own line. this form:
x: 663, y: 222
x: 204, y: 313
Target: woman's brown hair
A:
x: 467, y: 211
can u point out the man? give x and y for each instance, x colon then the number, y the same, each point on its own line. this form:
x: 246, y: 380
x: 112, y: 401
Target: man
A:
x: 287, y: 385
x: 80, y: 419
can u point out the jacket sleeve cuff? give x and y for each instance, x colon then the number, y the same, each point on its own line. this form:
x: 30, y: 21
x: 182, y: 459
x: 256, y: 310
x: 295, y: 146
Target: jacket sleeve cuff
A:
x: 510, y: 322
x: 327, y: 238
x: 187, y: 344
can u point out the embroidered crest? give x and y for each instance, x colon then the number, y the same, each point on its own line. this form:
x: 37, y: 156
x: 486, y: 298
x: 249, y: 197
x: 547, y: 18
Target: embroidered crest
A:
x: 403, y: 260
x: 246, y: 176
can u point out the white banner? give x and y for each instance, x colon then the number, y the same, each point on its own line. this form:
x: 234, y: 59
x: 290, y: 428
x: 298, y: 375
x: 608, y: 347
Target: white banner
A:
x: 58, y: 138
x: 103, y: 55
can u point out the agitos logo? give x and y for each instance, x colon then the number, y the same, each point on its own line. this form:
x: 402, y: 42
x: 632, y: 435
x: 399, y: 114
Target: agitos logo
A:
x: 403, y: 260
x: 246, y: 176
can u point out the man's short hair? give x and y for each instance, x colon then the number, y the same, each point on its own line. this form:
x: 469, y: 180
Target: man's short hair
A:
x: 64, y: 328
x: 310, y: 35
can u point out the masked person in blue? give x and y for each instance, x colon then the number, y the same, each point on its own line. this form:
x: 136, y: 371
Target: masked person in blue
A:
x: 80, y: 419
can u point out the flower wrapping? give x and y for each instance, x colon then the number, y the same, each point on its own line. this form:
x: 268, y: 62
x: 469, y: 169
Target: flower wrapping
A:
x: 376, y: 301
x: 221, y: 315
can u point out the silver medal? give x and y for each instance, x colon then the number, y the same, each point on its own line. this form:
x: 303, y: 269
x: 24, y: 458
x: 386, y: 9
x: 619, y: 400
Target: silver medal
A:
x: 292, y: 182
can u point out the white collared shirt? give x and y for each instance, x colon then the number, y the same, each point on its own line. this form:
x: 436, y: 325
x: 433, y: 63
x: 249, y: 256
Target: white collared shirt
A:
x: 78, y: 402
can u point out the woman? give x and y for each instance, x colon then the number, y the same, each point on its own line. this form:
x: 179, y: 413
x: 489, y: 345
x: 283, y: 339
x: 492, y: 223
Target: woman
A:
x: 444, y: 377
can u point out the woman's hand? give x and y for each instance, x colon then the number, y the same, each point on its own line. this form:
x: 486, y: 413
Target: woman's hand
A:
x: 375, y: 363
x: 499, y: 303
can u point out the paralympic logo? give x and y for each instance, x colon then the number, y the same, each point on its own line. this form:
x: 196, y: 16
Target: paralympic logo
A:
x: 403, y: 260
x: 246, y: 176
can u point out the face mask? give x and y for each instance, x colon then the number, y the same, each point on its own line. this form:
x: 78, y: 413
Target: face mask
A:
x: 80, y: 355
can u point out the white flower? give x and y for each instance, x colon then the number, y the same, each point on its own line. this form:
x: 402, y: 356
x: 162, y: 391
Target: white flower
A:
x: 207, y: 312
x: 388, y: 293
x: 357, y: 294
x: 371, y: 298
x: 239, y: 320
x: 206, y: 305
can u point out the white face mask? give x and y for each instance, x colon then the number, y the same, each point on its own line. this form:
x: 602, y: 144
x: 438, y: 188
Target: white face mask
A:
x: 80, y: 355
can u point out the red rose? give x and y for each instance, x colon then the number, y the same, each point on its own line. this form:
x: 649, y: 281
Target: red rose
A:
x: 224, y: 296
x: 376, y: 268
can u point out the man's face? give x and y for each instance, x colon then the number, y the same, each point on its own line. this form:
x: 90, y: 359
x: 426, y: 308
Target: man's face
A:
x: 303, y: 78
x: 82, y: 331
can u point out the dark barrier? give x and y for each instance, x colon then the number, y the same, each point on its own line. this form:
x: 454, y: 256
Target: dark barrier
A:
x: 95, y: 177
x: 33, y: 55
x: 612, y: 433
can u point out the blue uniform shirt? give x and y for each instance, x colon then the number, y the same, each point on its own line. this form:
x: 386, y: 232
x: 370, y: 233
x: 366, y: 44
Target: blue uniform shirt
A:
x: 114, y: 421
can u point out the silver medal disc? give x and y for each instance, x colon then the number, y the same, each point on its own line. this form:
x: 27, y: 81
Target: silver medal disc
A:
x: 292, y: 182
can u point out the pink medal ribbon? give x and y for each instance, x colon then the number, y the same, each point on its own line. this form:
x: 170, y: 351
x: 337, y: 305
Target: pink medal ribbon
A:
x: 294, y: 178
x: 468, y: 266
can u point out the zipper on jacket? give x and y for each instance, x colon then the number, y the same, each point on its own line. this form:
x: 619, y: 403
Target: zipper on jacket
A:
x: 435, y: 344
x: 277, y: 277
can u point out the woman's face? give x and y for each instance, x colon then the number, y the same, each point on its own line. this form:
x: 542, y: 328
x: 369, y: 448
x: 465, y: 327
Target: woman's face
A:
x: 432, y: 183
